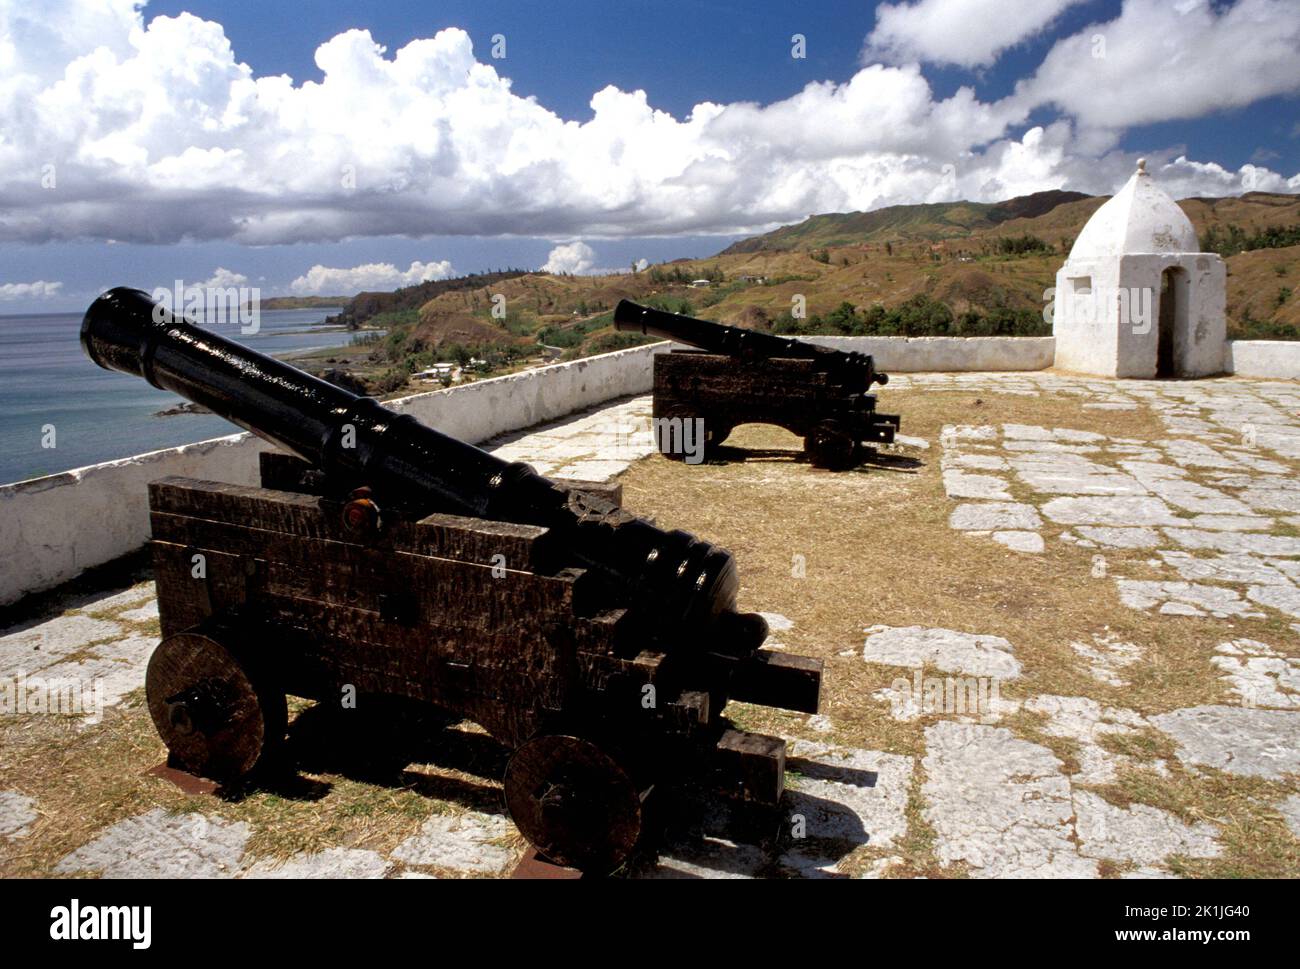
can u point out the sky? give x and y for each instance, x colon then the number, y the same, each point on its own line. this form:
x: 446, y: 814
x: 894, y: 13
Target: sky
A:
x: 326, y: 147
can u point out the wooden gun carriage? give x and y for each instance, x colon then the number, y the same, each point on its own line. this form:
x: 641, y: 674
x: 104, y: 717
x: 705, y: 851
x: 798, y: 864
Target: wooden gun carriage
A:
x: 337, y: 578
x: 736, y: 376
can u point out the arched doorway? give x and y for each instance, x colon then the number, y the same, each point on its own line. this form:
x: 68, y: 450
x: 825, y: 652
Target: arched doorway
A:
x: 1172, y: 318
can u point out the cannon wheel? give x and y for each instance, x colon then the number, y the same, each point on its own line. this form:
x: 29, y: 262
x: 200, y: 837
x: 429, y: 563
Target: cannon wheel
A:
x: 219, y: 717
x: 715, y: 432
x: 573, y: 802
x: 828, y: 445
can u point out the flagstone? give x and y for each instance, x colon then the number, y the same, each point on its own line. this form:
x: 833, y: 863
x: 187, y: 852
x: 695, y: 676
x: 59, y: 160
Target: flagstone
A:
x: 1239, y: 740
x: 1184, y: 598
x: 1114, y: 537
x: 34, y: 647
x: 17, y: 814
x: 1232, y: 523
x: 462, y: 842
x: 999, y: 804
x: 849, y: 795
x: 1283, y: 598
x: 1259, y: 674
x: 1020, y: 541
x: 962, y: 484
x: 1107, y: 656
x: 329, y: 863
x: 1138, y: 833
x: 1232, y: 567
x: 162, y: 845
x: 1235, y: 541
x: 1290, y: 811
x: 980, y: 462
x: 1109, y: 510
x: 917, y: 647
x: 987, y: 516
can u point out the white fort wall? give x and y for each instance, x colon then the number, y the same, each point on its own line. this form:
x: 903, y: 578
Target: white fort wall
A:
x: 53, y: 528
x: 948, y: 354
x: 1263, y: 358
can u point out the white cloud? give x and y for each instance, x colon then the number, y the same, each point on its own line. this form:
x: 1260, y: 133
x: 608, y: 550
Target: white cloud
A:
x: 1184, y: 178
x: 572, y: 257
x: 1164, y: 61
x: 968, y: 33
x: 224, y: 279
x: 37, y: 290
x: 327, y: 281
x: 159, y: 133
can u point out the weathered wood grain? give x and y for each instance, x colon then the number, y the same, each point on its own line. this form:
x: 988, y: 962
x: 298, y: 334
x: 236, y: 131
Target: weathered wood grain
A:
x: 467, y: 615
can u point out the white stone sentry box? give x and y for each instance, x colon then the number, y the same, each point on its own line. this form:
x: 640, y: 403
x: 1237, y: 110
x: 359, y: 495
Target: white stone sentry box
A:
x: 1135, y: 298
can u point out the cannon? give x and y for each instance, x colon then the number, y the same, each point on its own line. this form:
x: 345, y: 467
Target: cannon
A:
x: 736, y: 376
x: 382, y: 559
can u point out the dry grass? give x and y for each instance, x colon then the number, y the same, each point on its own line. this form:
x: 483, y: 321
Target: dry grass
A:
x: 1256, y: 840
x: 85, y: 779
x: 877, y: 549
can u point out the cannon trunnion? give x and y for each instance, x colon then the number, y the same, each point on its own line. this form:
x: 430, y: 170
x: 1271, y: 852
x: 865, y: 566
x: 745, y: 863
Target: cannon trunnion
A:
x: 735, y: 376
x: 597, y: 648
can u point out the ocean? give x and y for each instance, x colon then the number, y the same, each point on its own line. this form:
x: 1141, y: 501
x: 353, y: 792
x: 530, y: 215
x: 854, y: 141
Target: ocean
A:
x: 98, y: 415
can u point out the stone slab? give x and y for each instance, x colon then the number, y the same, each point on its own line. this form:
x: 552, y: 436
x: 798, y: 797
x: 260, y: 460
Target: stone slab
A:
x: 463, y: 842
x: 1251, y: 743
x: 329, y: 863
x: 849, y: 795
x: 1139, y: 833
x: 917, y: 647
x: 999, y: 804
x: 17, y: 814
x: 162, y: 845
x: 1116, y: 510
x: 995, y: 515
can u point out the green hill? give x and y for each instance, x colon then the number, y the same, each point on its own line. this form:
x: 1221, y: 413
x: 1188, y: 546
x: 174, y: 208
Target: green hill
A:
x: 958, y: 268
x: 303, y: 302
x: 370, y: 308
x: 937, y: 220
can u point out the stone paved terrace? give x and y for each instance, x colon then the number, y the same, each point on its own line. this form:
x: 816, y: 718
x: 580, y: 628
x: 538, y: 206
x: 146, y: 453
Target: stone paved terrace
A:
x: 1060, y: 620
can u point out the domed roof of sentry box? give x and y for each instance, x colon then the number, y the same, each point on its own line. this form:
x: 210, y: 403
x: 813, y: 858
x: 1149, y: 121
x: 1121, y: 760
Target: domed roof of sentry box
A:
x: 1141, y: 218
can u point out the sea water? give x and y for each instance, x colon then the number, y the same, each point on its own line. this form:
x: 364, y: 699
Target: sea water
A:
x: 48, y: 384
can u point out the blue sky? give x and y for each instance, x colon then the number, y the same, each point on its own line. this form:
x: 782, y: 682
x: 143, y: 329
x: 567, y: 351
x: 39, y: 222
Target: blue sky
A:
x: 171, y: 160
x: 684, y: 53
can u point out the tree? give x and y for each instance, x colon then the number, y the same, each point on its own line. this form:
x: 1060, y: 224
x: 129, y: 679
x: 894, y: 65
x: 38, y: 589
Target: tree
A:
x: 1022, y: 246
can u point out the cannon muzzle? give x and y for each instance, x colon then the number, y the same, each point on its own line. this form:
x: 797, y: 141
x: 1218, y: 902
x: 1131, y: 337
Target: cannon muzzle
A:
x: 674, y: 578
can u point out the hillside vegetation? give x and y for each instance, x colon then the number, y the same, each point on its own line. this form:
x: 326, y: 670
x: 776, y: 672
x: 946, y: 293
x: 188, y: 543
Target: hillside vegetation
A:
x: 930, y: 222
x: 302, y: 302
x: 365, y: 308
x: 952, y: 268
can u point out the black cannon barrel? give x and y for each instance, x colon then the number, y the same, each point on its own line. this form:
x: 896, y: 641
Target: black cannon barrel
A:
x: 674, y: 577
x: 734, y: 341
